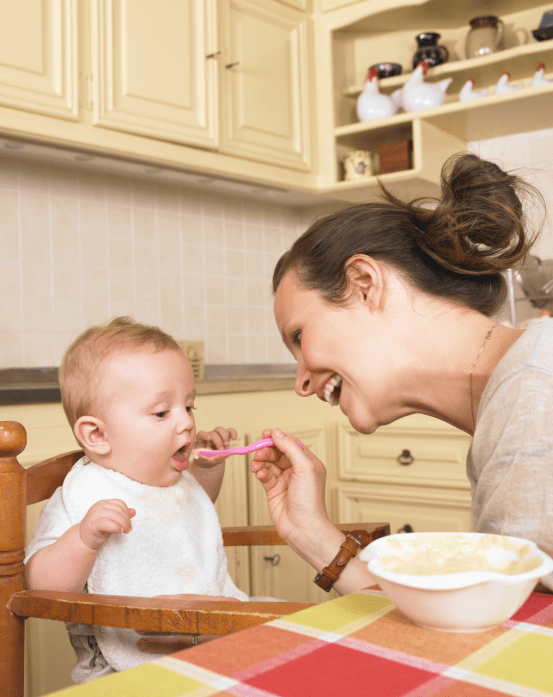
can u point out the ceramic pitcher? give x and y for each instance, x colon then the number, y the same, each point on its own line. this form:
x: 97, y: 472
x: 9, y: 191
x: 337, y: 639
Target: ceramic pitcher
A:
x: 485, y: 36
x: 428, y: 50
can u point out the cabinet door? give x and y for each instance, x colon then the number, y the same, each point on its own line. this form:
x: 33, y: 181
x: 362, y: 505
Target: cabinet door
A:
x: 153, y: 75
x: 38, y: 57
x: 265, y: 104
x: 232, y: 509
x: 277, y: 571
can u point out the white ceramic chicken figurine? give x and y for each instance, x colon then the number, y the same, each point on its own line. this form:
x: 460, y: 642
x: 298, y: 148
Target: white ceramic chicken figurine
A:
x: 371, y: 103
x: 504, y: 86
x: 468, y: 92
x: 418, y: 94
x: 539, y: 78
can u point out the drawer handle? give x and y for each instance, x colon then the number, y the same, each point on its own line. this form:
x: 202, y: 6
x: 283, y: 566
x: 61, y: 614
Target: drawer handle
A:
x: 406, y: 458
x: 406, y: 528
x: 275, y: 560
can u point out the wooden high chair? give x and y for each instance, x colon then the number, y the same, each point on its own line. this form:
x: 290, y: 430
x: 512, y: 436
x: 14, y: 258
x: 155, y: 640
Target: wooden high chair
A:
x: 21, y: 487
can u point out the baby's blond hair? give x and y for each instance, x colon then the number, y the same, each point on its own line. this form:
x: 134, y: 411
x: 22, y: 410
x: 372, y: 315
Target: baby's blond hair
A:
x: 80, y: 373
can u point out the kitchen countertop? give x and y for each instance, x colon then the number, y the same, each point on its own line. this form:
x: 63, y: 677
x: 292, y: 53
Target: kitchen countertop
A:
x: 32, y: 385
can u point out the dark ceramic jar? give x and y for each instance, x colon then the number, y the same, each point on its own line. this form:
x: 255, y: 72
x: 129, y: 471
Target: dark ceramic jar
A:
x: 429, y: 51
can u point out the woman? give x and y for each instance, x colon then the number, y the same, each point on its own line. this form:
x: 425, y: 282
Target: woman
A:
x: 388, y: 308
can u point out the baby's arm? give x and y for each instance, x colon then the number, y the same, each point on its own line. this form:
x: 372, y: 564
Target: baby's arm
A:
x: 65, y: 565
x: 209, y: 471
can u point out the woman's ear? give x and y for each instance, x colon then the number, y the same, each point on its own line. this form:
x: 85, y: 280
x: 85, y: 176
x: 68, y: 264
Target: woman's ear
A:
x: 365, y: 280
x: 91, y: 434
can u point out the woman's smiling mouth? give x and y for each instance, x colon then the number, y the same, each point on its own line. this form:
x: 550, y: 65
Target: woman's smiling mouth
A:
x: 332, y: 390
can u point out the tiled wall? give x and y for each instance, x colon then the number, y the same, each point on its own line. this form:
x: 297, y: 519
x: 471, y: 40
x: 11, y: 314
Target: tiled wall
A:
x: 531, y: 156
x: 78, y: 248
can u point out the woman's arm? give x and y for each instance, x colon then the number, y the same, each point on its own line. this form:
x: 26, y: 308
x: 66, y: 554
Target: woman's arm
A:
x: 294, y: 482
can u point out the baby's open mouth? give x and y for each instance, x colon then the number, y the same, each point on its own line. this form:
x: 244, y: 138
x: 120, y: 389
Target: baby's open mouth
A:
x: 180, y: 458
x: 332, y: 390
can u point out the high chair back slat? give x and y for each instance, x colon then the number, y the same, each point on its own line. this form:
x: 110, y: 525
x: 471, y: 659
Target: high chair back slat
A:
x: 43, y: 479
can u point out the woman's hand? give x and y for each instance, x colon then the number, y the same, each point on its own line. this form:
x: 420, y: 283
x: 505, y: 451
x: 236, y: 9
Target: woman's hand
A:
x: 294, y: 482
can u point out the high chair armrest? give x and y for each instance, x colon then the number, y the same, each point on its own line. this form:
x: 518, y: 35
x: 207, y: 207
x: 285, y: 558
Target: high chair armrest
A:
x: 150, y: 614
x: 267, y: 535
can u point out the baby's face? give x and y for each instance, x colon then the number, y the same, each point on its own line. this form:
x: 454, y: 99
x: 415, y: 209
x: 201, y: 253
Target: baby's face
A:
x: 148, y: 419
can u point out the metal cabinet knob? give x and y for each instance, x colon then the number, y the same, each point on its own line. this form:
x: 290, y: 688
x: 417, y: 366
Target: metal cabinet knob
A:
x: 406, y: 528
x: 275, y: 561
x: 405, y: 458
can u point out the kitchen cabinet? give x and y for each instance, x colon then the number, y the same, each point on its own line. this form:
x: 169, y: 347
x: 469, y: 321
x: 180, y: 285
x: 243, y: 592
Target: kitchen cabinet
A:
x: 230, y: 76
x: 351, y: 36
x: 150, y: 69
x: 410, y: 473
x: 265, y: 111
x: 215, y: 87
x: 38, y: 57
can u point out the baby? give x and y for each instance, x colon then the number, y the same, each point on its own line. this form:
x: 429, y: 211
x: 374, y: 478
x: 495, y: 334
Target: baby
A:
x: 135, y: 515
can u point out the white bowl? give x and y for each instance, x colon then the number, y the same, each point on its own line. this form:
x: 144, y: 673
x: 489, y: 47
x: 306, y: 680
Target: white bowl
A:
x: 472, y: 600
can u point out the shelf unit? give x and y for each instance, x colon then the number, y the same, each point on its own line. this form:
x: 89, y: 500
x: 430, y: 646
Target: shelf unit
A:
x: 364, y: 33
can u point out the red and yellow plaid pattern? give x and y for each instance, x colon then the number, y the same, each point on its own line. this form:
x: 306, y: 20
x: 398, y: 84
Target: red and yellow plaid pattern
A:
x: 357, y: 645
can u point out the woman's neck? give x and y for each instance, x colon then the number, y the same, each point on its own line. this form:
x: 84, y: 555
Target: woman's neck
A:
x: 450, y: 361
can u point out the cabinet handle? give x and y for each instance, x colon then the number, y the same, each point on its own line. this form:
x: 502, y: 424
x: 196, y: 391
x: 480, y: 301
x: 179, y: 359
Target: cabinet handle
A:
x: 231, y: 65
x: 275, y: 561
x: 406, y: 458
x: 406, y: 528
x: 213, y: 55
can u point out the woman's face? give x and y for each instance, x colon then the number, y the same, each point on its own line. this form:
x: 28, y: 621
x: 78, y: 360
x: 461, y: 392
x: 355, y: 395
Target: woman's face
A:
x: 338, y: 357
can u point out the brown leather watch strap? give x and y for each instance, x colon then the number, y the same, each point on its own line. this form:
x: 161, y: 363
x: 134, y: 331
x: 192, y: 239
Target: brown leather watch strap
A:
x: 355, y: 540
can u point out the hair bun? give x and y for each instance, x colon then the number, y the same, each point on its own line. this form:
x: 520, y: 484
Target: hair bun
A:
x: 477, y: 226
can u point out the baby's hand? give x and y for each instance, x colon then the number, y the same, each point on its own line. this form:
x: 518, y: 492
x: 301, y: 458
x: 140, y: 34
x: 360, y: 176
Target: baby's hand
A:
x: 103, y: 519
x: 218, y: 439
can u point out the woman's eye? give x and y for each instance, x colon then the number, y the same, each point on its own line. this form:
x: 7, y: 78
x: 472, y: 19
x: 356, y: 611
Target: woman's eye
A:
x: 161, y: 414
x: 296, y: 339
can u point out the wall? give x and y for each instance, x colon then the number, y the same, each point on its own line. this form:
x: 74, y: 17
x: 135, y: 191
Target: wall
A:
x: 79, y: 247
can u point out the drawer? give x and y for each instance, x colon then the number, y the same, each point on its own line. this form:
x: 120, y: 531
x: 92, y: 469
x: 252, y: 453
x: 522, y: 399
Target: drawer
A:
x: 415, y: 450
x: 423, y: 509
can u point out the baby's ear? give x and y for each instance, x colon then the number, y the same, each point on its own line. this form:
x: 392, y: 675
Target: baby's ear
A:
x: 90, y: 432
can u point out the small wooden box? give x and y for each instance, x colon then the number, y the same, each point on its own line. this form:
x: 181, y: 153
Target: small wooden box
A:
x: 395, y: 157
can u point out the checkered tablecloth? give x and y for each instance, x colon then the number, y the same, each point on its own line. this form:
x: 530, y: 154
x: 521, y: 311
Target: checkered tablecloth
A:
x: 356, y: 646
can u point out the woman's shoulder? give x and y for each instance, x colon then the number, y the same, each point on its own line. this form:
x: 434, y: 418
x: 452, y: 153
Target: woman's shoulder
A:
x: 529, y: 356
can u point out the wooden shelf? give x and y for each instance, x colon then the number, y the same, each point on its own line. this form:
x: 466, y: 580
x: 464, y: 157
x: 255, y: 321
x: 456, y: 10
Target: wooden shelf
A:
x: 476, y: 119
x: 519, y: 61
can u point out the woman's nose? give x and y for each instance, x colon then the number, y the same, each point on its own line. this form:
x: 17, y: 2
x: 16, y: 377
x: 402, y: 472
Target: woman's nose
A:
x: 304, y: 382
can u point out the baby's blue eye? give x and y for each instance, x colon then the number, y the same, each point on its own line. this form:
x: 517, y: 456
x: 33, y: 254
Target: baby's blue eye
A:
x: 161, y: 414
x: 190, y: 409
x: 296, y: 339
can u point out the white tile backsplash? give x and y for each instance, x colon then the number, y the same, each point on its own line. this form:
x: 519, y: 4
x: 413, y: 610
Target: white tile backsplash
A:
x: 80, y: 247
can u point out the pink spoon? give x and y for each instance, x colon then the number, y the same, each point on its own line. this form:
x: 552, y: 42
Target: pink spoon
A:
x: 265, y: 443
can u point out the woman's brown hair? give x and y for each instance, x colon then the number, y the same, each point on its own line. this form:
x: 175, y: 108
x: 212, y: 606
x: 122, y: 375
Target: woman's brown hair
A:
x: 455, y: 248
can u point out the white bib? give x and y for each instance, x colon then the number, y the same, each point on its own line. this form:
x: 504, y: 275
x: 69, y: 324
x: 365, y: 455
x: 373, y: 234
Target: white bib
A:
x: 175, y: 546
